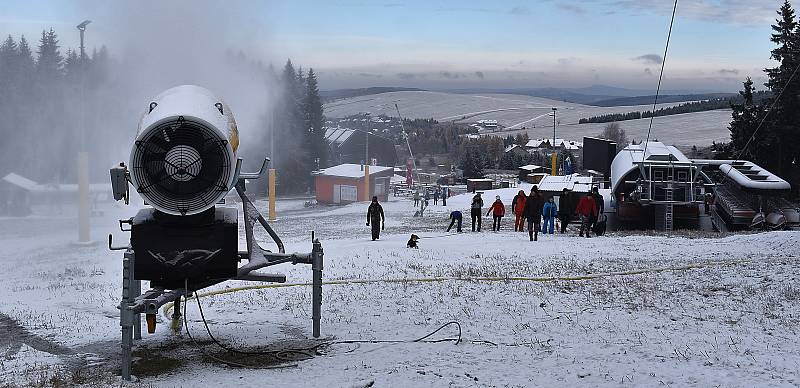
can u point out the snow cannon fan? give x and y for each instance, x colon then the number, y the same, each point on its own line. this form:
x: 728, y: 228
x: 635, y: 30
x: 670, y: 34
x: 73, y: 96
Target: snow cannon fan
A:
x: 184, y: 157
x: 183, y: 163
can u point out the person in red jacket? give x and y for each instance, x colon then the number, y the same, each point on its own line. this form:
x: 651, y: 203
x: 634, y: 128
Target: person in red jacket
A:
x: 587, y: 210
x: 518, y: 208
x: 498, y: 210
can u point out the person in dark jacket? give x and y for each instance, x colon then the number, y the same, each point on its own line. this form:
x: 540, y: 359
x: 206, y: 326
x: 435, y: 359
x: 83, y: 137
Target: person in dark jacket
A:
x: 586, y: 209
x: 455, y: 218
x: 498, y: 210
x: 517, y: 207
x: 436, y: 195
x: 565, y: 209
x: 533, y: 213
x: 476, y: 211
x: 376, y: 217
x: 599, y: 203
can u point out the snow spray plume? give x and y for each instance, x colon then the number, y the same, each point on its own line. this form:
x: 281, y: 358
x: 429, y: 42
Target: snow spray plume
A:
x: 158, y: 44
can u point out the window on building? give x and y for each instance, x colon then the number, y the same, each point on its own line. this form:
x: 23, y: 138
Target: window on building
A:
x: 349, y: 193
x: 658, y: 175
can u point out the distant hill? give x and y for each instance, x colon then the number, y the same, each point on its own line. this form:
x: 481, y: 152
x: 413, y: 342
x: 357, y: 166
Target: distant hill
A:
x: 331, y: 95
x: 602, y: 95
x: 644, y: 100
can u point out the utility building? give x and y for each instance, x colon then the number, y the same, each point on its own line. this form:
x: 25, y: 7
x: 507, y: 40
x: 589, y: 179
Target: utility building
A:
x: 345, y: 183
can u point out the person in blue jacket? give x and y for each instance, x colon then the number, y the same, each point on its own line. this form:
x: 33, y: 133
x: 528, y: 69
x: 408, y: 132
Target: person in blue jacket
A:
x: 549, y: 212
x: 455, y: 217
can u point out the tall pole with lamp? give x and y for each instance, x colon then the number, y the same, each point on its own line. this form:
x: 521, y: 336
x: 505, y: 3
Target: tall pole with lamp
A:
x: 367, y: 193
x: 83, y: 156
x: 554, y: 156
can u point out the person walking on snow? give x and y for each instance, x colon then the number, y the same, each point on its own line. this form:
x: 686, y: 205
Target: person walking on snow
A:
x: 455, y: 218
x: 436, y: 197
x: 517, y: 206
x: 549, y: 212
x: 376, y: 217
x: 416, y: 198
x: 599, y: 203
x: 498, y: 210
x: 565, y: 209
x: 587, y: 210
x: 475, y: 211
x: 533, y: 213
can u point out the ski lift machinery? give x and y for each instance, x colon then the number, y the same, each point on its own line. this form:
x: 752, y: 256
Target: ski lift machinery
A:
x: 183, y: 163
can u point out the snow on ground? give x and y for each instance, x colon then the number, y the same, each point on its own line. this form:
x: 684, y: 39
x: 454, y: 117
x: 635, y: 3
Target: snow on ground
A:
x: 730, y: 325
x: 698, y: 128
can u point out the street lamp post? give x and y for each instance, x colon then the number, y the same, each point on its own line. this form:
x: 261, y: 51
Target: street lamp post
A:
x: 554, y: 157
x: 83, y: 156
x: 367, y: 194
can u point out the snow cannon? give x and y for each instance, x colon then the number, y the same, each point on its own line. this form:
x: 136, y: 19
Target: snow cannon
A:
x: 183, y: 163
x: 184, y: 157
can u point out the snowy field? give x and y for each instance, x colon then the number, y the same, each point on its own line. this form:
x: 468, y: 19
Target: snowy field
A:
x: 515, y: 112
x: 654, y: 310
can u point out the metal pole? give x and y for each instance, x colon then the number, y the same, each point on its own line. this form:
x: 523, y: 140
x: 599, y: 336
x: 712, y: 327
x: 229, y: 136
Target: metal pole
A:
x: 83, y: 157
x: 316, y: 297
x: 126, y: 318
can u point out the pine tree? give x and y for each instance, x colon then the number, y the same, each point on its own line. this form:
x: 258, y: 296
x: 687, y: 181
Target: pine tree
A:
x: 745, y: 121
x: 49, y: 63
x: 781, y: 132
x: 315, y: 120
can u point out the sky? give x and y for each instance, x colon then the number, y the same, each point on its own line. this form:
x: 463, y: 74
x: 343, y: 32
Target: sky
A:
x: 449, y: 44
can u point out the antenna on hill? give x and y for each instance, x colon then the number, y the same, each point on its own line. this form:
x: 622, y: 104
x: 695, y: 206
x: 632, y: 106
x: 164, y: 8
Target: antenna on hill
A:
x: 405, y: 136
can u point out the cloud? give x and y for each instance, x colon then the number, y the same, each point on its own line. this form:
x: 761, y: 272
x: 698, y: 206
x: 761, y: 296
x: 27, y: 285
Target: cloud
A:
x: 742, y: 12
x: 449, y: 75
x: 574, y: 8
x: 728, y: 71
x: 406, y: 75
x: 650, y: 59
x: 520, y: 11
x: 648, y: 71
x: 370, y: 75
x: 567, y: 61
x: 479, y: 74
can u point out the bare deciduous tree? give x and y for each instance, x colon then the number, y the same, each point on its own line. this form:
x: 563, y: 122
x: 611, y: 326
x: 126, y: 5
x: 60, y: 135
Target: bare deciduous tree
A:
x: 613, y: 131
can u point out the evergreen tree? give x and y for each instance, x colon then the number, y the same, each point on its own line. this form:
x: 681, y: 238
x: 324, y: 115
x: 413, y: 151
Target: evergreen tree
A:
x: 745, y: 121
x: 781, y: 130
x: 49, y: 63
x: 315, y: 120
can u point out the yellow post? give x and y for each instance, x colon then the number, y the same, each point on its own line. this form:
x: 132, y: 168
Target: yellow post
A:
x: 272, y: 215
x: 83, y: 197
x: 554, y: 168
x: 367, y: 196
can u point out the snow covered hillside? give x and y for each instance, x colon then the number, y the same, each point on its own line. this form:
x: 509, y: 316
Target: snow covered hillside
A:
x: 630, y: 310
x: 516, y: 111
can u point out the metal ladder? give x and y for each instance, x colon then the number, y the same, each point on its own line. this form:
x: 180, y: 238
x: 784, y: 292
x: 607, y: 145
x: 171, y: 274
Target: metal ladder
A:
x: 668, y: 210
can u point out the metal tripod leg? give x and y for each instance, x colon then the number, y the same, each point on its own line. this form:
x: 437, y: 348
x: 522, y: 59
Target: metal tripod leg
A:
x: 136, y: 290
x: 126, y: 315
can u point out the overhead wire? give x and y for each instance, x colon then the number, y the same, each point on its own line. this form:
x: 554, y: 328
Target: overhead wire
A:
x: 658, y: 88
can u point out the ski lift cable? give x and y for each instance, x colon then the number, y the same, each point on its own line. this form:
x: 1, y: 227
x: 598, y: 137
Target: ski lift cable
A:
x: 658, y: 88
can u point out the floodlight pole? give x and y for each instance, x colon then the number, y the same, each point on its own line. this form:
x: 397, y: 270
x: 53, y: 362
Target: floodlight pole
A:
x: 83, y: 157
x: 554, y: 157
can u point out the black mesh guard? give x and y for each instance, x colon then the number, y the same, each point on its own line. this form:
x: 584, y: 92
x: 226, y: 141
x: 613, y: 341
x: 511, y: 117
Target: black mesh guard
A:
x: 178, y: 185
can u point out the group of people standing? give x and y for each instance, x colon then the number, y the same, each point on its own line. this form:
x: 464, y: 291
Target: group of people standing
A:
x: 531, y: 209
x: 535, y: 208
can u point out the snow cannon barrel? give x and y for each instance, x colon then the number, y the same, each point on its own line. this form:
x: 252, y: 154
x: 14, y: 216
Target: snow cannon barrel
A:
x: 184, y: 158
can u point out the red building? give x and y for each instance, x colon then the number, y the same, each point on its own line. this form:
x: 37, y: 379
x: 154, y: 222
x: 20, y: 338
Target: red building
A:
x: 345, y: 183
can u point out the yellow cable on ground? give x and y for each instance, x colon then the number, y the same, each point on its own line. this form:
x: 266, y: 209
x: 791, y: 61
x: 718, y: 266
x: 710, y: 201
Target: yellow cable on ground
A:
x: 169, y: 306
